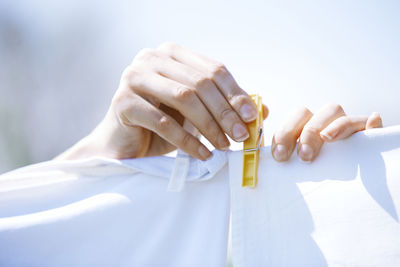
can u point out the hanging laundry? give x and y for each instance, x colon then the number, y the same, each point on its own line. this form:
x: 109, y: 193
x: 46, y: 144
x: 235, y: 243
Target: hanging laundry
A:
x: 341, y: 210
x: 103, y: 212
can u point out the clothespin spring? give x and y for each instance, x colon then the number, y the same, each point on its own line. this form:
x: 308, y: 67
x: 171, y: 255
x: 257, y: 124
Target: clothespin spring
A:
x: 260, y: 135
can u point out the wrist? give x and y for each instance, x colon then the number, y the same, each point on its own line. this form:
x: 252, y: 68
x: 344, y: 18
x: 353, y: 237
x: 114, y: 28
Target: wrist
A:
x: 112, y: 140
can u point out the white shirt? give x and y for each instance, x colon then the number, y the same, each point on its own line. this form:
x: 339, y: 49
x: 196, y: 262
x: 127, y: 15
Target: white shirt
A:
x: 102, y: 212
x: 341, y: 210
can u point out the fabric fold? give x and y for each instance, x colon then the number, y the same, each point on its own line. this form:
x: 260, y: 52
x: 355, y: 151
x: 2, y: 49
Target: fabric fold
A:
x: 104, y: 212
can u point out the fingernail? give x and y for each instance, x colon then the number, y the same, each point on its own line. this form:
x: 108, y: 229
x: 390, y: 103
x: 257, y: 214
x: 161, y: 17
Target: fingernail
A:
x: 223, y: 142
x: 204, y: 153
x: 280, y: 153
x: 306, y: 153
x: 248, y: 112
x: 326, y: 135
x: 240, y: 132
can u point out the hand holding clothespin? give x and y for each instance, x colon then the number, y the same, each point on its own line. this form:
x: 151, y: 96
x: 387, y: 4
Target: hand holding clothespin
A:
x: 251, y: 149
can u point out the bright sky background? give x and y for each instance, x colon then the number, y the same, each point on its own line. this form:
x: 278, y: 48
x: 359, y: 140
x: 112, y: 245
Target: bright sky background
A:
x: 293, y: 53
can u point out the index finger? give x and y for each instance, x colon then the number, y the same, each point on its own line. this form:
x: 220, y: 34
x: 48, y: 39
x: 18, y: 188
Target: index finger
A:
x: 219, y: 74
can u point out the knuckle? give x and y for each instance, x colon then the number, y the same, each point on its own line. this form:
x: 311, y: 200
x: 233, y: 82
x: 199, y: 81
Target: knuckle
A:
x: 336, y: 108
x: 202, y: 82
x: 128, y: 72
x: 184, y: 94
x: 163, y: 124
x: 168, y: 47
x: 311, y: 131
x: 123, y: 104
x: 218, y: 69
x: 119, y: 98
x: 133, y: 77
x: 303, y: 110
x: 146, y: 54
x: 226, y: 113
x: 186, y: 140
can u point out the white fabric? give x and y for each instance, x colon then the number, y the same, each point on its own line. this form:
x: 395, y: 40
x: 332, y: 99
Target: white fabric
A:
x: 179, y: 172
x: 341, y: 210
x: 102, y: 212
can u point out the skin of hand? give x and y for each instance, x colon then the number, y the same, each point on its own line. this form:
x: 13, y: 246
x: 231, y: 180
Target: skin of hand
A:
x: 157, y: 91
x: 309, y: 131
x: 166, y: 86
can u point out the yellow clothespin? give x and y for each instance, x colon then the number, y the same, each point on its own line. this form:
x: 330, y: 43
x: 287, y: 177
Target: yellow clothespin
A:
x: 251, y: 147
